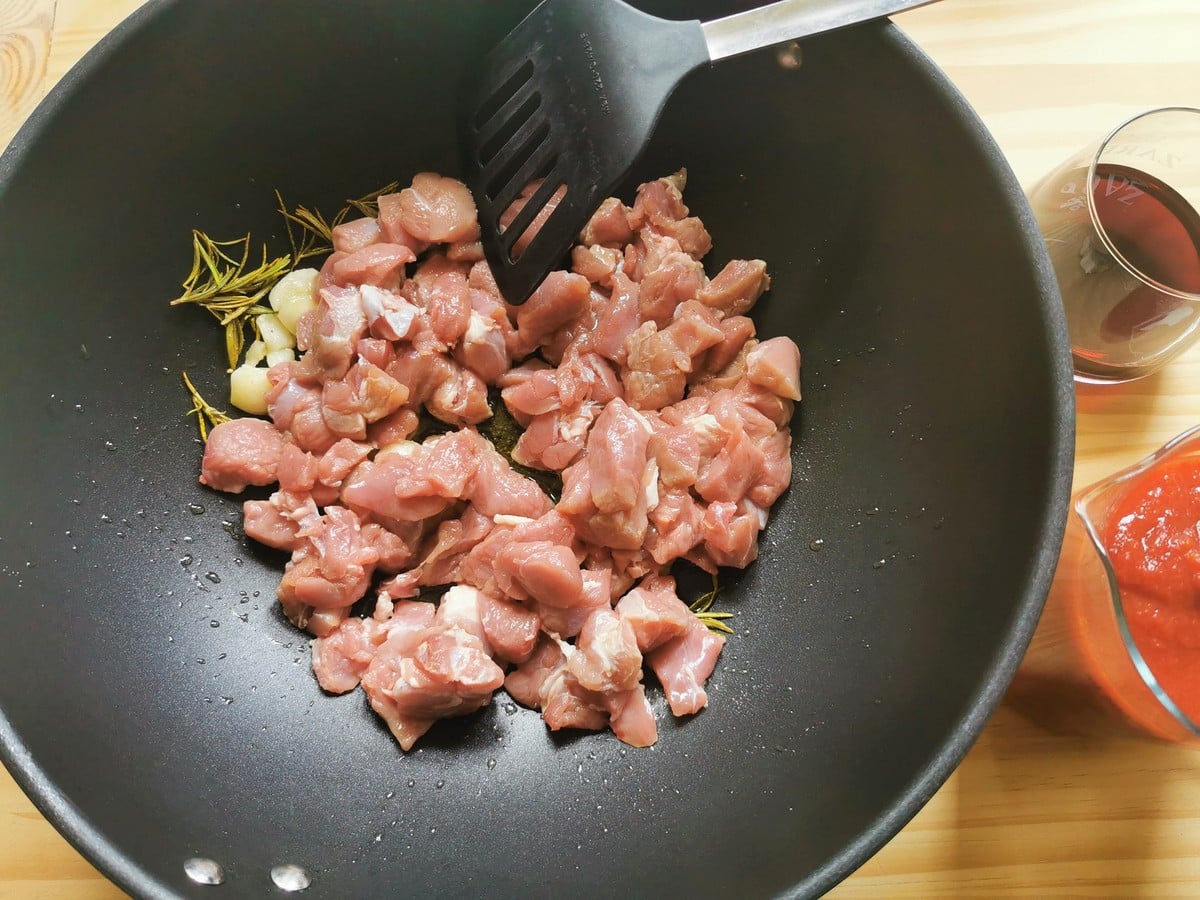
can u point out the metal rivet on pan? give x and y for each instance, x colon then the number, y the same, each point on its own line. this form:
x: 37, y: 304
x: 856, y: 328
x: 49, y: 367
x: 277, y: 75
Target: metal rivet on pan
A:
x: 204, y: 871
x: 290, y: 878
x: 789, y: 55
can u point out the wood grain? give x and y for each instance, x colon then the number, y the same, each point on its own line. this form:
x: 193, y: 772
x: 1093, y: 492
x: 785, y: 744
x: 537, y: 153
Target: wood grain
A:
x: 26, y: 27
x: 1030, y: 812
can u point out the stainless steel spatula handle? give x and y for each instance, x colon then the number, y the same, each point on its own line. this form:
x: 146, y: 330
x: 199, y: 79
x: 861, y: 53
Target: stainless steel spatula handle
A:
x: 792, y: 19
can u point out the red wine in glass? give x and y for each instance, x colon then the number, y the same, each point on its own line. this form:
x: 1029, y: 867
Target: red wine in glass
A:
x: 1154, y: 232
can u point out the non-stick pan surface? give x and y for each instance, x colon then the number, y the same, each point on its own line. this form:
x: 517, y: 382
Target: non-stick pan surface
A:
x: 158, y: 707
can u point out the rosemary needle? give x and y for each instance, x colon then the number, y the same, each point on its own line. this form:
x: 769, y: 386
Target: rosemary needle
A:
x: 702, y: 607
x: 206, y: 414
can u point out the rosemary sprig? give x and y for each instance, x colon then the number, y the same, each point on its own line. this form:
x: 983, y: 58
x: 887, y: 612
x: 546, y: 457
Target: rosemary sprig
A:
x: 223, y: 282
x: 368, y: 204
x: 315, y: 235
x: 311, y: 234
x: 702, y: 607
x: 207, y: 416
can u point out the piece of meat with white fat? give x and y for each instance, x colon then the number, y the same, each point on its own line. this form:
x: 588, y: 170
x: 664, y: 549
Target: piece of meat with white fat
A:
x: 619, y: 530
x: 453, y: 540
x: 659, y: 207
x: 775, y: 365
x: 341, y: 322
x: 486, y: 300
x: 332, y: 563
x: 655, y: 612
x: 617, y: 457
x: 483, y: 348
x: 367, y: 394
x: 560, y: 298
x: 317, y: 622
x: 276, y: 521
x: 478, y: 568
x: 554, y: 440
x: 737, y: 287
x: 442, y: 291
x: 428, y: 670
x: 419, y: 483
x: 684, y: 664
x: 461, y: 399
x: 390, y: 317
x: 460, y: 608
x: 381, y: 265
x: 452, y: 675
x: 498, y: 490
x: 524, y: 683
x: 565, y: 703
x: 409, y: 622
x: 438, y: 209
x: 539, y: 570
x: 606, y: 656
x: 630, y: 717
x: 340, y: 658
x: 511, y: 629
x: 608, y: 226
x: 356, y: 234
x: 568, y: 621
x: 240, y: 453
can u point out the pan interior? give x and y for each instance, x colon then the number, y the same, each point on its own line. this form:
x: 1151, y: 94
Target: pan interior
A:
x: 160, y: 706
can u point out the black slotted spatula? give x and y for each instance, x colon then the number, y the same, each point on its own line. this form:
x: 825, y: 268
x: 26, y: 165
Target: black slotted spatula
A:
x: 570, y: 98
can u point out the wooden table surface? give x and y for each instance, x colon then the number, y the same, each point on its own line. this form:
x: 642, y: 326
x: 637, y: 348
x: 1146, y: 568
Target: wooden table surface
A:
x: 1028, y: 813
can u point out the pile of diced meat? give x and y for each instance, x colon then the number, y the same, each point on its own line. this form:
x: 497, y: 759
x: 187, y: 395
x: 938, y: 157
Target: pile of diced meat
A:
x: 634, y: 375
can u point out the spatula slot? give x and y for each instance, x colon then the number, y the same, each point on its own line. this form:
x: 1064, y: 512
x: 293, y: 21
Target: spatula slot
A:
x: 510, y: 172
x: 534, y: 216
x: 504, y: 126
x: 502, y: 94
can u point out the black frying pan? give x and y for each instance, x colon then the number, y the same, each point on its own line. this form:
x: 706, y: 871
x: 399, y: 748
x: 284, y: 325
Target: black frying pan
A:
x: 158, y: 714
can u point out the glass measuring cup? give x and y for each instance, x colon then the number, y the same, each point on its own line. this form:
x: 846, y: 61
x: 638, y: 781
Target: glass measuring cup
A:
x: 1106, y: 656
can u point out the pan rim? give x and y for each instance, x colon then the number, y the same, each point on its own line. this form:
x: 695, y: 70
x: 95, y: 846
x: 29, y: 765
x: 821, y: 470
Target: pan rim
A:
x: 49, y: 799
x: 78, y: 830
x: 1060, y: 467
